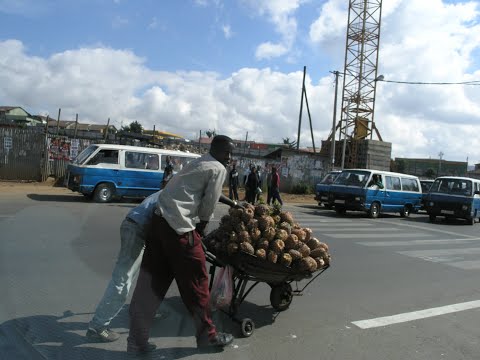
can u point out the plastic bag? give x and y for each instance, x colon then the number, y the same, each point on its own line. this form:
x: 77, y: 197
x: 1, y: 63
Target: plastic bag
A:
x: 222, y: 289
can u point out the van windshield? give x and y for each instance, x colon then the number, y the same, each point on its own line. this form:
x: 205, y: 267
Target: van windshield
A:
x: 85, y: 154
x: 352, y: 178
x: 452, y: 187
x: 329, y: 178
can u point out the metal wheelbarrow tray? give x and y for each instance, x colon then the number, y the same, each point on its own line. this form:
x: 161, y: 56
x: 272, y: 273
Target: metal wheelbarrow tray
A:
x: 249, y: 268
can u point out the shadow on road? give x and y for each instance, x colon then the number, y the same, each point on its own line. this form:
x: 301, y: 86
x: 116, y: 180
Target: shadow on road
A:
x: 57, y: 198
x: 83, y: 199
x: 45, y: 337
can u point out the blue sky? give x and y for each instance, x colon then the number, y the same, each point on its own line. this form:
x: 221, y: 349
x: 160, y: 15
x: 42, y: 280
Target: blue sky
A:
x: 236, y: 66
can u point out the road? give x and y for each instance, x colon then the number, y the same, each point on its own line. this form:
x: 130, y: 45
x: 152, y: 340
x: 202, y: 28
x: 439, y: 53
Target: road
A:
x: 398, y: 288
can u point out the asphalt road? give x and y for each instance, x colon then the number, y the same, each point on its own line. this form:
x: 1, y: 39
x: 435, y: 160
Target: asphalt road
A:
x: 398, y: 288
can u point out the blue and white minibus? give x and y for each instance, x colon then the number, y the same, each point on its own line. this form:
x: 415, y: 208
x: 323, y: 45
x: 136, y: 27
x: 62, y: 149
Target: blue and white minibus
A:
x: 374, y: 192
x: 105, y: 171
x: 454, y: 197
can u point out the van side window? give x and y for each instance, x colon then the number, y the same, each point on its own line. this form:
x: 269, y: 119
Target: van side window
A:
x: 392, y: 183
x: 139, y: 160
x: 178, y: 162
x: 105, y: 156
x: 410, y: 185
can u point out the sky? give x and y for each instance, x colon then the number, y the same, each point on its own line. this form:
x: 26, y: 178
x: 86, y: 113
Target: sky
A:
x: 236, y: 67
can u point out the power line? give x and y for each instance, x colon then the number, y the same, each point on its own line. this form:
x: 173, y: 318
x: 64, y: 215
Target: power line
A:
x: 475, y: 82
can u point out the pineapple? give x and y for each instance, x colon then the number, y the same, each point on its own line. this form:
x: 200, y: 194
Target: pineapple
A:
x: 262, y: 210
x: 295, y: 254
x: 261, y: 253
x: 232, y: 248
x: 247, y: 247
x: 286, y: 216
x: 286, y: 259
x: 307, y: 264
x: 286, y: 226
x: 277, y: 246
x: 291, y: 242
x: 269, y: 234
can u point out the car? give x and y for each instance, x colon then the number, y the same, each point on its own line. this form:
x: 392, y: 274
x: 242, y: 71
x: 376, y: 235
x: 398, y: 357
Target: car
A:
x: 321, y: 189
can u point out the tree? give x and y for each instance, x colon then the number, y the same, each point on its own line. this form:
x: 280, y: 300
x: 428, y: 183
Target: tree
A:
x: 430, y: 173
x: 210, y: 133
x: 400, y: 165
x: 290, y: 144
x: 134, y: 127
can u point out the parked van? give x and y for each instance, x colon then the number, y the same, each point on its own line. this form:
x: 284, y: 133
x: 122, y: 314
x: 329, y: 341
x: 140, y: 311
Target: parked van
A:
x: 321, y: 189
x: 454, y: 197
x: 374, y: 192
x: 105, y: 171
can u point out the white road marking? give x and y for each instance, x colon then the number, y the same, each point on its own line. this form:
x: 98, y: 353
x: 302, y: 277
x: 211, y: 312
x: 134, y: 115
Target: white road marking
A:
x: 466, y: 265
x: 417, y: 242
x: 430, y: 229
x: 440, y: 252
x: 416, y: 315
x: 371, y: 236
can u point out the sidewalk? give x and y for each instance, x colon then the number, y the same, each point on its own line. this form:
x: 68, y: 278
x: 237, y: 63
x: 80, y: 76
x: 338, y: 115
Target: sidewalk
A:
x: 47, y: 187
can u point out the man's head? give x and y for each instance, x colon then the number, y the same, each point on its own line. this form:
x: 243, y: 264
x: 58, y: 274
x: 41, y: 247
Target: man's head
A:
x: 221, y: 149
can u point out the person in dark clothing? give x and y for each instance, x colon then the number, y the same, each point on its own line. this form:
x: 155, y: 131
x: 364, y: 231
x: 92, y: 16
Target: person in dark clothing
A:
x: 275, y: 186
x: 251, y: 186
x: 258, y: 191
x: 174, y: 249
x: 167, y: 175
x: 233, y: 183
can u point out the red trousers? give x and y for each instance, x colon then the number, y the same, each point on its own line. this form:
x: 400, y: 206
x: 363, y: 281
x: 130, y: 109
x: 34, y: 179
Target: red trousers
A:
x: 170, y: 256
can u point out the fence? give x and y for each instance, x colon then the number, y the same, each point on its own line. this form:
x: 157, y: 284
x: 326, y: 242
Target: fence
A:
x: 27, y: 154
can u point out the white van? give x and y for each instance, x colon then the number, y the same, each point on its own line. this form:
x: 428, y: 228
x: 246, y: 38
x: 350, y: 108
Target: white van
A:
x: 104, y: 171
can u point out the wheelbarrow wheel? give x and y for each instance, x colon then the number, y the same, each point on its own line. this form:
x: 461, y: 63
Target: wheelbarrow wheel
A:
x: 248, y: 327
x: 281, y: 296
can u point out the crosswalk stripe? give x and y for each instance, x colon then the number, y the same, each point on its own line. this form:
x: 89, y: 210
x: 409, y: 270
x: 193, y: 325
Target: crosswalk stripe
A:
x: 417, y: 242
x: 440, y: 252
x: 415, y: 315
x: 371, y: 235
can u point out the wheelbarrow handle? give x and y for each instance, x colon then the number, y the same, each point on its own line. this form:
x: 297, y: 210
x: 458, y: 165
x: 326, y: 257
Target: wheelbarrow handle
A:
x: 211, y: 258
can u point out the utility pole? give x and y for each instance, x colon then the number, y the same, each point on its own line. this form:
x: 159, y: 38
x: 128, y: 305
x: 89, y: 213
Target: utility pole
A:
x: 334, y: 121
x: 301, y: 107
x: 440, y: 155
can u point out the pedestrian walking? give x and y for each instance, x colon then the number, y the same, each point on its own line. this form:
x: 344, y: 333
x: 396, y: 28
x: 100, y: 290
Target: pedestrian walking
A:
x: 275, y: 186
x: 269, y: 187
x: 174, y: 249
x: 133, y: 231
x: 251, y: 186
x: 233, y: 183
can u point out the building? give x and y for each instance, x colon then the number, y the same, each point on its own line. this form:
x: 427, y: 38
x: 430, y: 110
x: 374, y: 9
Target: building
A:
x: 430, y: 168
x: 80, y: 130
x: 18, y: 117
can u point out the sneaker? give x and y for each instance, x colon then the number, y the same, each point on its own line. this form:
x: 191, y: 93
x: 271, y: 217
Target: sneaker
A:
x: 140, y: 350
x: 102, y: 335
x: 219, y: 341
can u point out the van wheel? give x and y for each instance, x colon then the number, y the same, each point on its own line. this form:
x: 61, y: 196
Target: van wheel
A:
x: 374, y: 210
x: 340, y: 210
x: 406, y: 211
x: 432, y: 218
x: 103, y: 193
x: 471, y: 221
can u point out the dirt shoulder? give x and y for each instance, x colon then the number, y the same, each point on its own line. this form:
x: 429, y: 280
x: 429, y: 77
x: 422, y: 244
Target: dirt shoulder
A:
x: 49, y: 187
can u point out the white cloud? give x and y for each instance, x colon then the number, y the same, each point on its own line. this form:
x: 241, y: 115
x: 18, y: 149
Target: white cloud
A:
x: 268, y: 50
x: 227, y: 31
x: 420, y: 41
x: 281, y: 14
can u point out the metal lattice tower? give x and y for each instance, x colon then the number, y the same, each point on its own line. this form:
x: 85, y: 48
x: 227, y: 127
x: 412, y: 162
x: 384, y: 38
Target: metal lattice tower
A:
x: 360, y: 75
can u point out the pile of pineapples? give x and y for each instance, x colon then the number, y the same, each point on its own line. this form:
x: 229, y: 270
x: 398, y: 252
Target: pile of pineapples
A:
x: 271, y: 235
